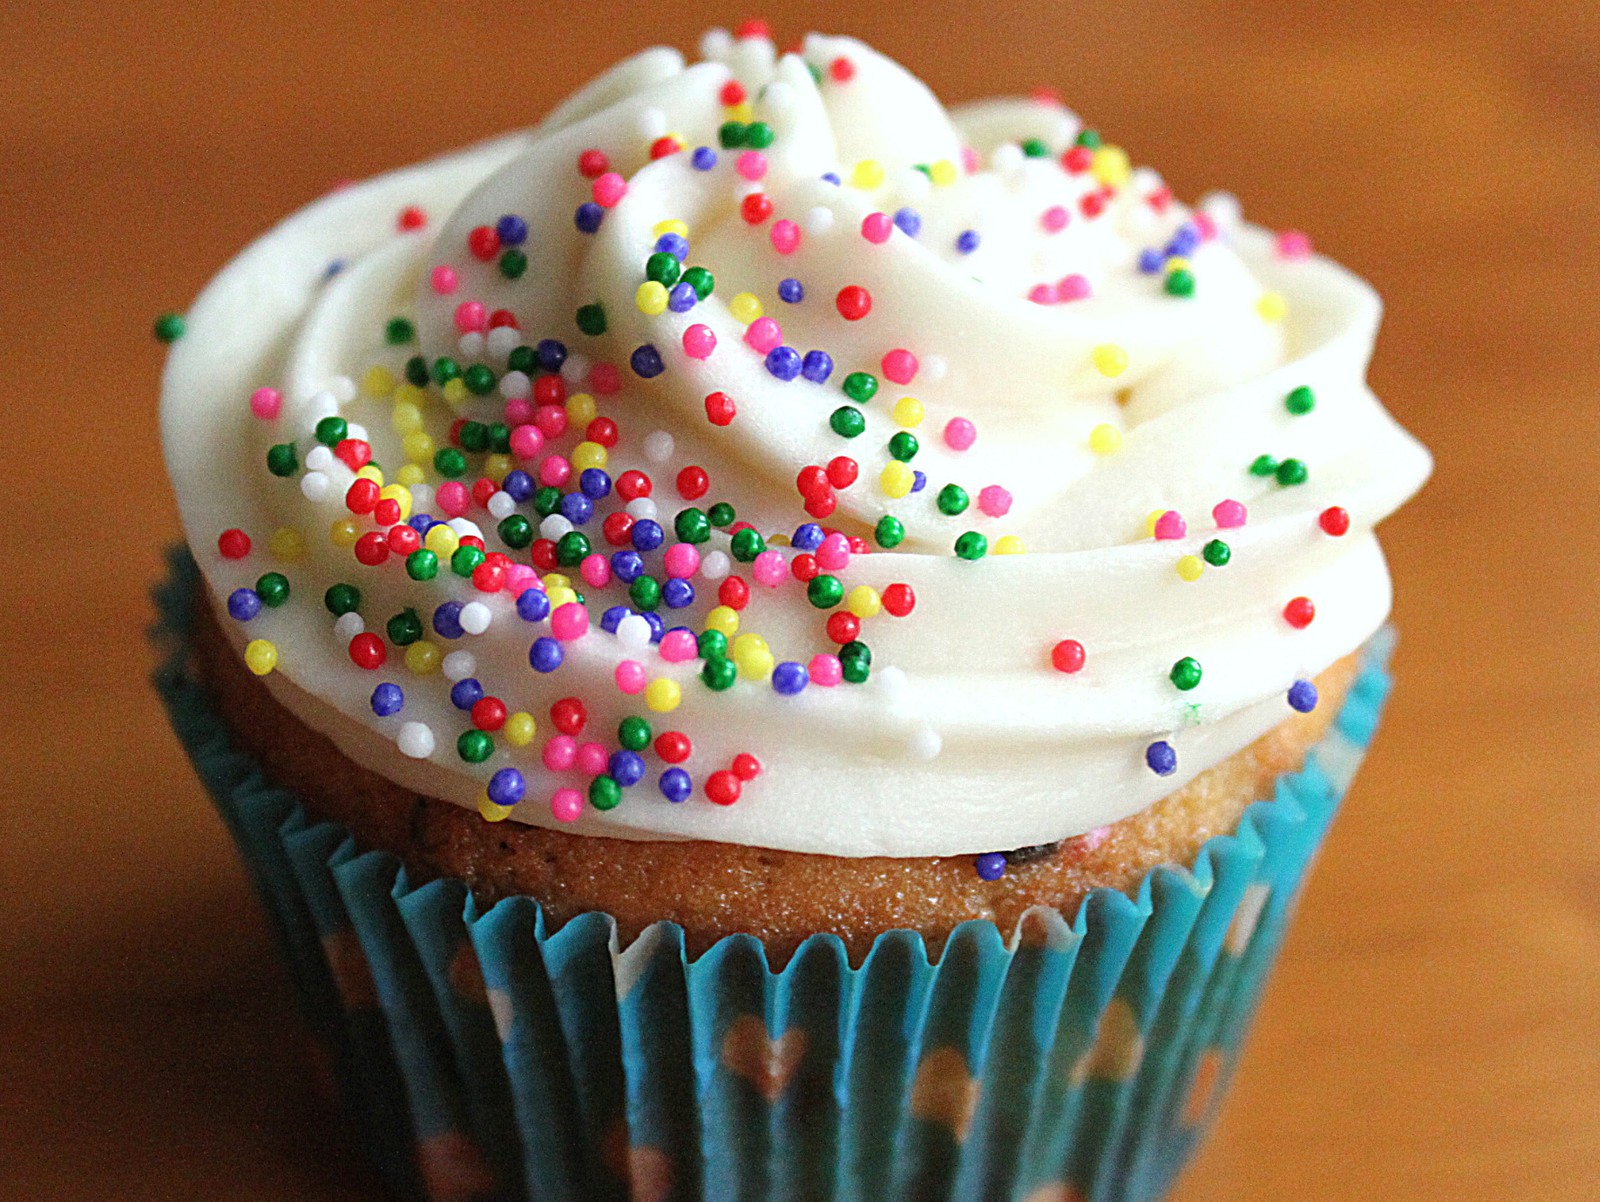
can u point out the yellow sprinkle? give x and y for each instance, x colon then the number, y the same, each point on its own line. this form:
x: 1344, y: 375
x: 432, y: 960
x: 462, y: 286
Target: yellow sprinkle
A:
x: 580, y: 408
x: 864, y: 601
x: 755, y: 663
x: 378, y: 382
x: 670, y: 226
x: 663, y: 694
x: 406, y: 417
x: 489, y: 812
x: 1190, y: 567
x: 1105, y: 439
x: 441, y: 540
x: 418, y: 446
x: 897, y: 479
x: 260, y: 656
x: 587, y: 455
x: 908, y: 412
x: 1007, y: 544
x: 520, y: 728
x: 1272, y: 306
x: 1110, y: 359
x: 745, y: 307
x: 651, y: 298
x: 1150, y: 522
x: 423, y: 657
x: 371, y: 472
x: 561, y: 596
x: 409, y: 394
x: 724, y: 620
x: 557, y: 580
x: 409, y: 474
x: 400, y: 495
x: 741, y: 112
x: 747, y: 642
x: 1110, y: 166
x: 455, y: 391
x: 287, y: 544
x: 943, y: 173
x: 344, y: 532
x: 497, y: 466
x: 779, y: 540
x: 867, y: 175
x: 1176, y: 263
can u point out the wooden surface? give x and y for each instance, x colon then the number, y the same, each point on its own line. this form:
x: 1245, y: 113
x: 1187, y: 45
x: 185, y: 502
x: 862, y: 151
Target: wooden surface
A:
x: 1432, y: 1030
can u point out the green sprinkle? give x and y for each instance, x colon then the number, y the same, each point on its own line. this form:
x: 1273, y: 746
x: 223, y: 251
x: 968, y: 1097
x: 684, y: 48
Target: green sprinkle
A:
x: 1301, y: 401
x: 273, y: 589
x: 861, y: 386
x: 847, y: 421
x: 445, y: 369
x: 516, y: 532
x: 972, y: 545
x: 547, y: 501
x: 1034, y: 148
x: 855, y: 658
x: 722, y: 514
x: 168, y: 327
x: 604, y: 793
x: 399, y: 331
x: 953, y: 499
x: 1217, y: 553
x: 692, y: 525
x: 417, y: 371
x: 572, y: 548
x: 500, y: 437
x: 474, y: 437
x: 904, y: 446
x: 1089, y: 138
x: 282, y: 459
x: 746, y: 545
x: 480, y: 380
x: 824, y: 591
x: 1185, y: 673
x: 422, y: 564
x: 523, y: 358
x: 890, y: 531
x: 663, y: 268
x: 342, y: 599
x: 719, y: 674
x: 465, y: 560
x: 513, y: 263
x: 1264, y: 465
x: 712, y: 644
x: 592, y: 319
x: 1180, y: 282
x: 645, y: 592
x: 332, y: 430
x: 449, y: 463
x: 634, y: 733
x: 474, y: 746
x: 404, y: 628
x: 731, y: 134
x: 1291, y: 471
x: 701, y: 280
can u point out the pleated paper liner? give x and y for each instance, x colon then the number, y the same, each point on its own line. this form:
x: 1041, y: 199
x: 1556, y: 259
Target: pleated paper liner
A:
x: 484, y: 1056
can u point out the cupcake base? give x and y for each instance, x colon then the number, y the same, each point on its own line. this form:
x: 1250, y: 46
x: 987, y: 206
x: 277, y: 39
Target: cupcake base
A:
x: 488, y: 1056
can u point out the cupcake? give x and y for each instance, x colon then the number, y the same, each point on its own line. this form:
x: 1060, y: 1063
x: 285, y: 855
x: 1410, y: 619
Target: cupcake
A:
x: 763, y: 638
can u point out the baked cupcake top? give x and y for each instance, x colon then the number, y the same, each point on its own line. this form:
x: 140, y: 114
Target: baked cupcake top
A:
x: 755, y: 451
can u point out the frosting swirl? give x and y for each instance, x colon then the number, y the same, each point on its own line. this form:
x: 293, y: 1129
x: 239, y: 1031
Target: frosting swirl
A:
x: 799, y: 287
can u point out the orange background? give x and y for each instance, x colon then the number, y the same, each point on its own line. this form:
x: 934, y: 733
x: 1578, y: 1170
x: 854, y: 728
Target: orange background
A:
x: 1432, y: 1031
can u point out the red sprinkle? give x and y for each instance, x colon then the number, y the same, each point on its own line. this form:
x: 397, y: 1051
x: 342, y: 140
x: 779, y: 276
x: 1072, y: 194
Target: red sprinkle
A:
x: 412, y: 218
x: 733, y: 592
x: 899, y: 599
x: 234, y: 544
x: 720, y: 409
x: 1067, y: 656
x: 489, y: 713
x: 854, y: 302
x: 723, y: 787
x: 1334, y: 520
x: 673, y: 746
x: 483, y: 242
x: 746, y: 766
x: 693, y: 482
x: 569, y: 716
x: 1299, y: 612
x: 367, y: 651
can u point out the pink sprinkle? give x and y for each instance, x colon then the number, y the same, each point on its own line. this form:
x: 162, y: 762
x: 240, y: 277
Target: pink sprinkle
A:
x: 769, y: 569
x: 960, y: 434
x: 900, y: 365
x: 591, y: 759
x: 566, y: 805
x: 833, y: 553
x: 266, y: 403
x: 751, y: 164
x: 555, y: 471
x: 443, y: 280
x: 1228, y: 514
x: 1054, y: 219
x: 681, y: 561
x: 1089, y: 840
x: 763, y: 334
x: 526, y: 441
x: 519, y: 409
x: 1203, y: 222
x: 551, y: 420
x: 825, y: 670
x: 970, y: 161
x: 605, y: 379
x: 785, y: 236
x: 521, y: 577
x: 570, y: 621
x: 994, y: 501
x: 1170, y: 525
x: 678, y: 646
x: 699, y: 341
x: 1072, y: 287
x: 470, y: 316
x: 453, y: 498
x: 631, y: 677
x: 876, y: 228
x: 1293, y: 244
x: 559, y: 752
x: 595, y: 570
x: 609, y: 189
x: 1042, y: 294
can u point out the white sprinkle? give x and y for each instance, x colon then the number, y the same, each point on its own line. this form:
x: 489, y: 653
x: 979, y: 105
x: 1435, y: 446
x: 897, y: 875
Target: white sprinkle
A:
x: 658, y: 446
x: 464, y: 527
x: 459, y: 665
x: 1224, y: 209
x: 357, y: 431
x: 715, y: 565
x: 515, y: 385
x: 421, y: 498
x: 319, y: 459
x: 348, y: 626
x: 934, y: 367
x: 470, y: 345
x: 501, y: 506
x: 715, y: 43
x: 416, y: 740
x: 318, y: 406
x: 554, y: 526
x: 475, y: 617
x: 925, y: 743
x: 315, y: 486
x: 641, y: 508
x: 634, y: 632
x: 1006, y: 158
x: 343, y: 388
x: 575, y: 368
x: 892, y: 681
x: 502, y: 340
x: 818, y: 220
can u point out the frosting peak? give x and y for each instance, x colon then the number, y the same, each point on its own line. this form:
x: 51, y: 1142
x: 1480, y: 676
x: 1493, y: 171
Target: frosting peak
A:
x: 933, y: 482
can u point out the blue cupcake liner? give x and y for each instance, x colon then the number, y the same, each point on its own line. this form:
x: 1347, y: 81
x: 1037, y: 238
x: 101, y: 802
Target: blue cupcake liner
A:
x: 485, y: 1056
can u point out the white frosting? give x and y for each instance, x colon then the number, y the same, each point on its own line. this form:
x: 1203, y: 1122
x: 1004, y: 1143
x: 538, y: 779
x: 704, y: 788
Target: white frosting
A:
x: 964, y: 739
